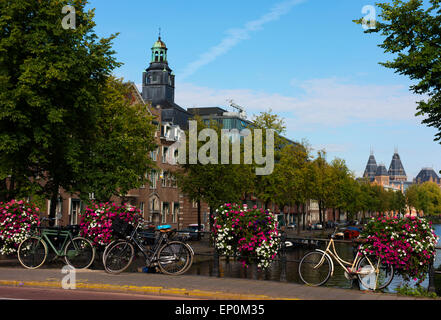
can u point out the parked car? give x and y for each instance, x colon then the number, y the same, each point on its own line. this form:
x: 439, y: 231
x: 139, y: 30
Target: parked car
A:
x: 191, y: 231
x: 351, y: 233
x: 292, y: 226
x: 315, y: 226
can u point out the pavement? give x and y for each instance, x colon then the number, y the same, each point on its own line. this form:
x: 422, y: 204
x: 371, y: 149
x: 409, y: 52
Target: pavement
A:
x: 189, y: 286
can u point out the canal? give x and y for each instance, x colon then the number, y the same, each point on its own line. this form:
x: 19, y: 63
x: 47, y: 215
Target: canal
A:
x: 203, y: 265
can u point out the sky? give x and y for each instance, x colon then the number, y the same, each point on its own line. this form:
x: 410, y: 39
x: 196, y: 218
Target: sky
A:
x: 303, y: 59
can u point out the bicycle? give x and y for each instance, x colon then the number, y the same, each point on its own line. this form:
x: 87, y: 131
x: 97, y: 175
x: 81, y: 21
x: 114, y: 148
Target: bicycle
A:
x: 77, y: 251
x: 170, y: 257
x: 317, y: 267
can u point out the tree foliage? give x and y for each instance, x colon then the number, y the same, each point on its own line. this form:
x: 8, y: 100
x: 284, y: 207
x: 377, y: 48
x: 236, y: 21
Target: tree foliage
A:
x: 411, y: 32
x: 59, y: 106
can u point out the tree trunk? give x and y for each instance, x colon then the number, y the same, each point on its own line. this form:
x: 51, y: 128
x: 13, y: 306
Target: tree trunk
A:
x: 321, y: 212
x: 53, y: 207
x: 298, y: 218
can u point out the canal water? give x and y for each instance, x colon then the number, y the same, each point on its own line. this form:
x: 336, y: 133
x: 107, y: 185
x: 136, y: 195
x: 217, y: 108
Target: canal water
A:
x: 203, y: 265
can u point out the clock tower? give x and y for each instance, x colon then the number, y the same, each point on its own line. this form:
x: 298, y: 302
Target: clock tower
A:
x: 158, y: 81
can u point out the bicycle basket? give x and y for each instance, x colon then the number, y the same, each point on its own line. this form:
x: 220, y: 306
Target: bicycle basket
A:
x: 121, y: 228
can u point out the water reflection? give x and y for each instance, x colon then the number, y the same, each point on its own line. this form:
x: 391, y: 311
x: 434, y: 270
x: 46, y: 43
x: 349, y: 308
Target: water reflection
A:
x: 203, y: 265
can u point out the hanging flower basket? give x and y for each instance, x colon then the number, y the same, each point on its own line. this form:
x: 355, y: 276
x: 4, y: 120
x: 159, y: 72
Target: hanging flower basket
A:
x: 16, y: 220
x: 408, y: 244
x: 97, y: 218
x: 251, y: 235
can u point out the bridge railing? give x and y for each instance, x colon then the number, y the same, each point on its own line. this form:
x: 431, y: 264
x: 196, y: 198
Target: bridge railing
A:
x: 283, y: 260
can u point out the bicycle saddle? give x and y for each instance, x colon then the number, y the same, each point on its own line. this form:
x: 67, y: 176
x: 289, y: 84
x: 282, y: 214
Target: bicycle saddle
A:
x: 164, y: 228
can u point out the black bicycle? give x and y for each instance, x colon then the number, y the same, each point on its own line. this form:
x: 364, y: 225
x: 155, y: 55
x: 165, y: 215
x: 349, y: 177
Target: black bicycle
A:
x: 171, y: 257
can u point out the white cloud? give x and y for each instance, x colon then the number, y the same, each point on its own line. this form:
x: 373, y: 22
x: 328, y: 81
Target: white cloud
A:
x: 329, y: 102
x: 235, y: 36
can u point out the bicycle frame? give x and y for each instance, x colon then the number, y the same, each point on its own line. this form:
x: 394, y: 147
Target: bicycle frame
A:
x: 343, y: 263
x: 148, y: 253
x: 45, y: 233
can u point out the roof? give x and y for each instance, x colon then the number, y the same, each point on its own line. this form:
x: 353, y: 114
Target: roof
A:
x: 427, y: 174
x: 381, y: 171
x: 206, y: 111
x: 159, y: 44
x: 371, y: 167
x: 396, y: 167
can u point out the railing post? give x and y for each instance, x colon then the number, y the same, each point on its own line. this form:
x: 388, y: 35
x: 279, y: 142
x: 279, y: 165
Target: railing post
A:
x: 216, y: 263
x: 254, y: 270
x: 431, y: 287
x: 283, y: 258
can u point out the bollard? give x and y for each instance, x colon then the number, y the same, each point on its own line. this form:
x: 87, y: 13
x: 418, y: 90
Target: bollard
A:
x: 283, y: 258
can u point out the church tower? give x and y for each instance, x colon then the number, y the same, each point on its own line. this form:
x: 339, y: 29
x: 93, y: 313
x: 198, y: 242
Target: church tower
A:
x: 158, y: 81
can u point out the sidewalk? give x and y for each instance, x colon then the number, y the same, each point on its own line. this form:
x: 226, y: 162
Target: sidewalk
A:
x: 191, y: 286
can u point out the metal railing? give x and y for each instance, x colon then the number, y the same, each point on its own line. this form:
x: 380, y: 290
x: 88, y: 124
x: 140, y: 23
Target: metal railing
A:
x: 283, y: 260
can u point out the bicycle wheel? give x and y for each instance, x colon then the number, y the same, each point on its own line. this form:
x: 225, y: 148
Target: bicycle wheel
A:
x: 32, y: 253
x: 371, y: 279
x: 174, y: 258
x: 79, y: 253
x: 106, y: 249
x: 315, y: 268
x: 119, y: 257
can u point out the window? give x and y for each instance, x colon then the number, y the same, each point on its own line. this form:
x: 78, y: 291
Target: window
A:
x: 75, y: 208
x: 141, y: 208
x: 154, y: 154
x: 165, y: 211
x: 153, y: 178
x: 175, y: 212
x: 164, y: 179
x: 174, y: 183
x: 164, y: 154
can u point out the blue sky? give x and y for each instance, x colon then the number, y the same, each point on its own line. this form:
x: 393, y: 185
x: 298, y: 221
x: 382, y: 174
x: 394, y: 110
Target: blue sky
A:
x: 304, y: 59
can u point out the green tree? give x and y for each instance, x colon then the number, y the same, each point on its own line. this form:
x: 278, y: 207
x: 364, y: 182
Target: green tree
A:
x: 119, y: 157
x: 267, y: 187
x: 411, y: 30
x: 322, y: 184
x: 412, y: 197
x: 293, y: 173
x: 341, y: 197
x: 56, y: 105
x: 213, y: 183
x: 429, y: 198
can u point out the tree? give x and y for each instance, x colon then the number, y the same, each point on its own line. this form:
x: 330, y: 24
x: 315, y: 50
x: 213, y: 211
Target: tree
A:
x: 411, y: 33
x: 412, y: 197
x: 119, y: 157
x: 267, y: 187
x: 293, y: 173
x: 430, y: 198
x: 343, y: 187
x: 56, y: 104
x: 213, y: 183
x: 322, y: 183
